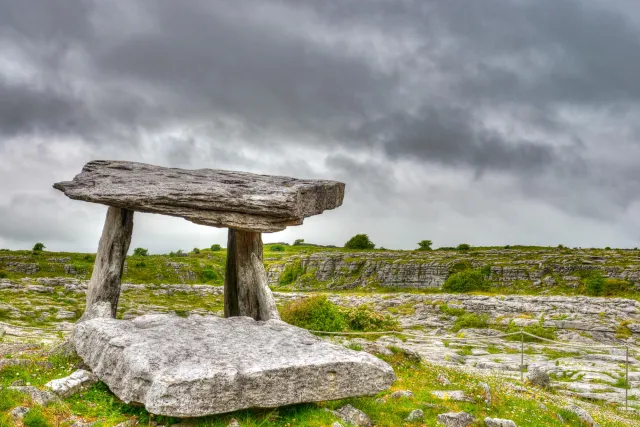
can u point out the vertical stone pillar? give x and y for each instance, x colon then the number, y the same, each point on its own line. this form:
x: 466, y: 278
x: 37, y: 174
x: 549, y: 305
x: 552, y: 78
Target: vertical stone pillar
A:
x: 104, y: 287
x: 246, y: 290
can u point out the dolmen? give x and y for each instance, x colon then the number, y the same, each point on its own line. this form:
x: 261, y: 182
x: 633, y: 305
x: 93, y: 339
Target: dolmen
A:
x: 204, y: 365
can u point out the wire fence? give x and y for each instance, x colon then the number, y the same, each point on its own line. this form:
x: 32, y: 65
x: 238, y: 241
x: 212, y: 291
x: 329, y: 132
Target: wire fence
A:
x: 492, y: 340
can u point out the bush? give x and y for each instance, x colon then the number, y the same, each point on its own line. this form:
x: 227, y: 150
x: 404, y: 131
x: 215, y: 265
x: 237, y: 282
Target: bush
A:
x: 291, y: 272
x: 140, y: 252
x: 216, y: 247
x: 463, y: 247
x: 316, y: 313
x: 471, y: 320
x: 196, y: 251
x: 466, y: 281
x: 424, y: 245
x: 359, y: 241
x: 363, y: 318
x: 3, y: 274
x: 276, y: 248
x: 38, y: 247
x: 595, y: 284
x: 452, y: 311
x: 209, y: 274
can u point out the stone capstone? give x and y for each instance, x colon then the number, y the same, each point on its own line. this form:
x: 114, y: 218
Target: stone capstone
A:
x: 238, y: 200
x: 68, y: 386
x: 197, y: 366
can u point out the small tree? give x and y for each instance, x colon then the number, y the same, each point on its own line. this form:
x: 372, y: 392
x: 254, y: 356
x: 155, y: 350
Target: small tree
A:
x: 424, y: 245
x: 298, y: 242
x: 464, y: 247
x: 38, y: 247
x: 140, y: 252
x: 196, y: 251
x: 359, y: 241
x: 216, y: 247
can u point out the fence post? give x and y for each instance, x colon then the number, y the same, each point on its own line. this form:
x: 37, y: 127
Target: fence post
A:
x: 626, y: 386
x: 521, y: 355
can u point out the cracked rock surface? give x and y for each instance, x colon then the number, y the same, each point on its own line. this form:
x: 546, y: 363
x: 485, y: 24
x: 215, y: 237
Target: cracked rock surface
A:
x: 196, y: 366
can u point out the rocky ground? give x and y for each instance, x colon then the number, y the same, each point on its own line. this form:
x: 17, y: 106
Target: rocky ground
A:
x: 437, y: 328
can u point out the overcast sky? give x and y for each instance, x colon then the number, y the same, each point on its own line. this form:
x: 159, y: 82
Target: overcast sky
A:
x: 488, y: 122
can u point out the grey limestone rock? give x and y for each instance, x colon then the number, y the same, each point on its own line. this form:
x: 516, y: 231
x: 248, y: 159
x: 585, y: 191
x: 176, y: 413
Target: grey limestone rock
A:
x: 41, y: 397
x: 583, y: 415
x: 238, y: 200
x: 456, y: 395
x: 415, y: 415
x: 401, y: 394
x: 19, y: 412
x: 456, y: 419
x: 539, y: 378
x: 196, y: 366
x: 68, y: 386
x: 498, y: 422
x: 354, y: 416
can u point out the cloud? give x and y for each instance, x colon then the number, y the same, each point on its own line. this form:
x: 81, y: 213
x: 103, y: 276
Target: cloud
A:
x: 460, y: 115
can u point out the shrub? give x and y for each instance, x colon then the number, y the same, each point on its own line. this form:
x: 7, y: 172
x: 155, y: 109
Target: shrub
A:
x: 316, y: 313
x: 196, y: 251
x: 38, y: 247
x: 466, y: 281
x: 140, y: 252
x: 424, y: 245
x: 276, y: 248
x: 298, y: 242
x: 471, y: 320
x: 363, y: 318
x: 3, y: 274
x: 216, y: 247
x: 452, y: 311
x: 595, y: 284
x: 464, y: 247
x: 486, y: 270
x: 460, y: 266
x: 291, y: 272
x: 359, y: 241
x: 209, y: 274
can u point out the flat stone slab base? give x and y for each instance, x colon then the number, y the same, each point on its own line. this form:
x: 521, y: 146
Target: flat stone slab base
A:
x: 197, y: 366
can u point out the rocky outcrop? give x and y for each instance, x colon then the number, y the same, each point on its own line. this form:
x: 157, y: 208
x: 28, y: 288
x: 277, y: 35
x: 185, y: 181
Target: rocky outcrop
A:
x: 218, y: 198
x: 429, y: 269
x: 196, y: 366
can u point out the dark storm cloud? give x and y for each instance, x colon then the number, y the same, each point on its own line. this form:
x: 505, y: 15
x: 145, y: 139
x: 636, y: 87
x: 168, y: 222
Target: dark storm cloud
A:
x: 526, y: 90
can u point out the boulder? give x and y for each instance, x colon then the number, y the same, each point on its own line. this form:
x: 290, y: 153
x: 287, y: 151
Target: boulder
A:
x: 456, y: 419
x: 238, y: 200
x: 19, y: 412
x: 539, y: 378
x: 498, y: 422
x: 197, y: 366
x: 353, y: 416
x: 401, y: 394
x: 68, y: 386
x: 415, y: 415
x: 583, y: 415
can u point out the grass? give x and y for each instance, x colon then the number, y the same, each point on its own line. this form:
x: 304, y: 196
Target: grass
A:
x: 98, y: 404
